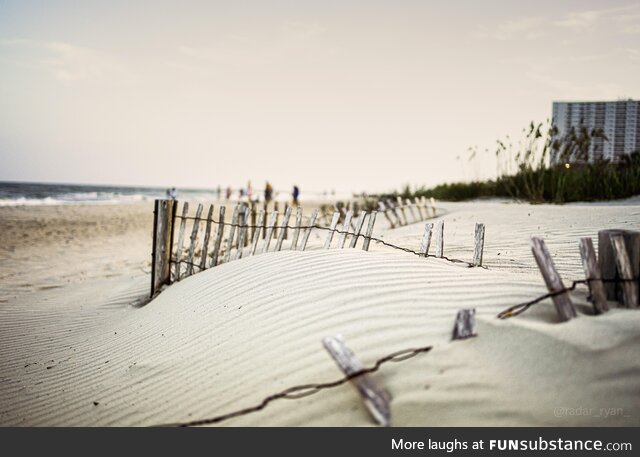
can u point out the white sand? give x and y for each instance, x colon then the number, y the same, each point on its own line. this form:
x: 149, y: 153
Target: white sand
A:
x: 225, y: 338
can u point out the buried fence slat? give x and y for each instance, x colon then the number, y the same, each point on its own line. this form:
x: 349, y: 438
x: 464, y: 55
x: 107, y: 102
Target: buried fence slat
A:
x: 426, y: 239
x: 374, y: 397
x: 439, y: 241
x: 465, y: 324
x: 307, y: 232
x: 264, y: 221
x: 367, y: 238
x: 607, y: 262
x: 285, y: 224
x: 593, y: 276
x: 625, y: 270
x: 205, y: 242
x: 275, y: 222
x: 269, y: 232
x: 385, y: 211
x: 242, y: 232
x: 478, y: 245
x: 342, y: 237
x: 332, y: 228
x: 232, y: 232
x: 254, y: 226
x: 283, y: 231
x: 552, y: 279
x: 411, y: 210
x: 433, y: 206
x: 183, y: 223
x: 194, y: 234
x: 163, y: 221
x: 296, y: 232
x: 418, y: 208
x: 219, y: 234
x: 358, y: 229
x: 402, y: 211
x: 394, y: 211
x: 256, y: 232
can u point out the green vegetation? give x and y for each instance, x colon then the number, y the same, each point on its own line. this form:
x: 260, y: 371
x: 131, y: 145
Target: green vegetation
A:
x: 527, y: 173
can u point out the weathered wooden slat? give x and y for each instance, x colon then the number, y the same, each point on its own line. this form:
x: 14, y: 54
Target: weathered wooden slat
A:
x: 285, y: 227
x: 283, y: 232
x: 607, y: 261
x: 367, y: 238
x: 332, y: 227
x: 256, y: 233
x: 264, y: 221
x: 269, y: 234
x: 561, y: 300
x: 358, y: 229
x: 478, y: 245
x: 244, y: 217
x: 465, y: 324
x: 275, y: 223
x: 593, y: 276
x: 254, y: 225
x: 374, y: 397
x: 183, y: 223
x: 296, y: 232
x: 625, y: 271
x: 342, y: 237
x: 416, y: 203
x: 205, y: 242
x: 409, y: 205
x: 395, y: 212
x: 433, y: 206
x: 232, y: 232
x: 385, y: 211
x: 426, y: 239
x: 163, y: 219
x: 194, y: 235
x: 216, y: 247
x: 405, y: 221
x: 439, y: 240
x: 307, y: 232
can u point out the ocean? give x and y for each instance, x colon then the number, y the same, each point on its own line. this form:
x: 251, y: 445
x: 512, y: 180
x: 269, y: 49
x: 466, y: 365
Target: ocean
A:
x: 25, y: 193
x: 22, y: 193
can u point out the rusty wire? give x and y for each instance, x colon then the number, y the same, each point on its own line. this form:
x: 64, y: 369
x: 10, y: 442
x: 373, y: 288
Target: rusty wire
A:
x: 305, y: 390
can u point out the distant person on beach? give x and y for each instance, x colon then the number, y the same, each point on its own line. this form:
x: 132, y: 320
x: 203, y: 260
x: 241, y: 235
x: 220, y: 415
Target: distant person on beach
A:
x: 249, y: 190
x: 241, y: 193
x: 172, y: 193
x: 296, y: 194
x: 228, y: 193
x: 219, y: 192
x: 268, y: 192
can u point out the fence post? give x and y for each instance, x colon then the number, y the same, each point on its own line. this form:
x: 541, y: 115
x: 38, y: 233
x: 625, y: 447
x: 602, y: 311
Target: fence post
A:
x: 607, y: 259
x: 367, y: 238
x: 478, y: 245
x: 163, y: 219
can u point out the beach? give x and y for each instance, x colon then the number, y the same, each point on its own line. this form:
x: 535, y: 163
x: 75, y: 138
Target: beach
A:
x: 81, y: 344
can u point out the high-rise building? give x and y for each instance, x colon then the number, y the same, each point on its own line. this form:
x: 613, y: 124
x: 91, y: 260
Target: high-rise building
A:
x: 619, y: 120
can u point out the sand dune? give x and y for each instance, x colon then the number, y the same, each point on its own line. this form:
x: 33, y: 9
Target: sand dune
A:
x: 225, y: 338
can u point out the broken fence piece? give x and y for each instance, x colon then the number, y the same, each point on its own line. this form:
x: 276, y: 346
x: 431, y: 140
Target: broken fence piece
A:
x: 439, y: 241
x: 332, y: 228
x: 625, y: 271
x: 552, y: 279
x: 478, y: 245
x: 593, y: 276
x: 607, y: 260
x: 465, y: 324
x: 375, y: 398
x: 426, y: 239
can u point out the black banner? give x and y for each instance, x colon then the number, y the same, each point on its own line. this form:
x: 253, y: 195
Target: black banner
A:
x: 320, y: 441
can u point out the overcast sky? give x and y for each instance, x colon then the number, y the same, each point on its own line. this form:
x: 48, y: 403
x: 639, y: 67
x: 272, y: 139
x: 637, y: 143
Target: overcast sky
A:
x: 351, y: 95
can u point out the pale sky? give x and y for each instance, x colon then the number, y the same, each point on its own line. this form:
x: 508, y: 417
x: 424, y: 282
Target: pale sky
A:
x: 351, y: 95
